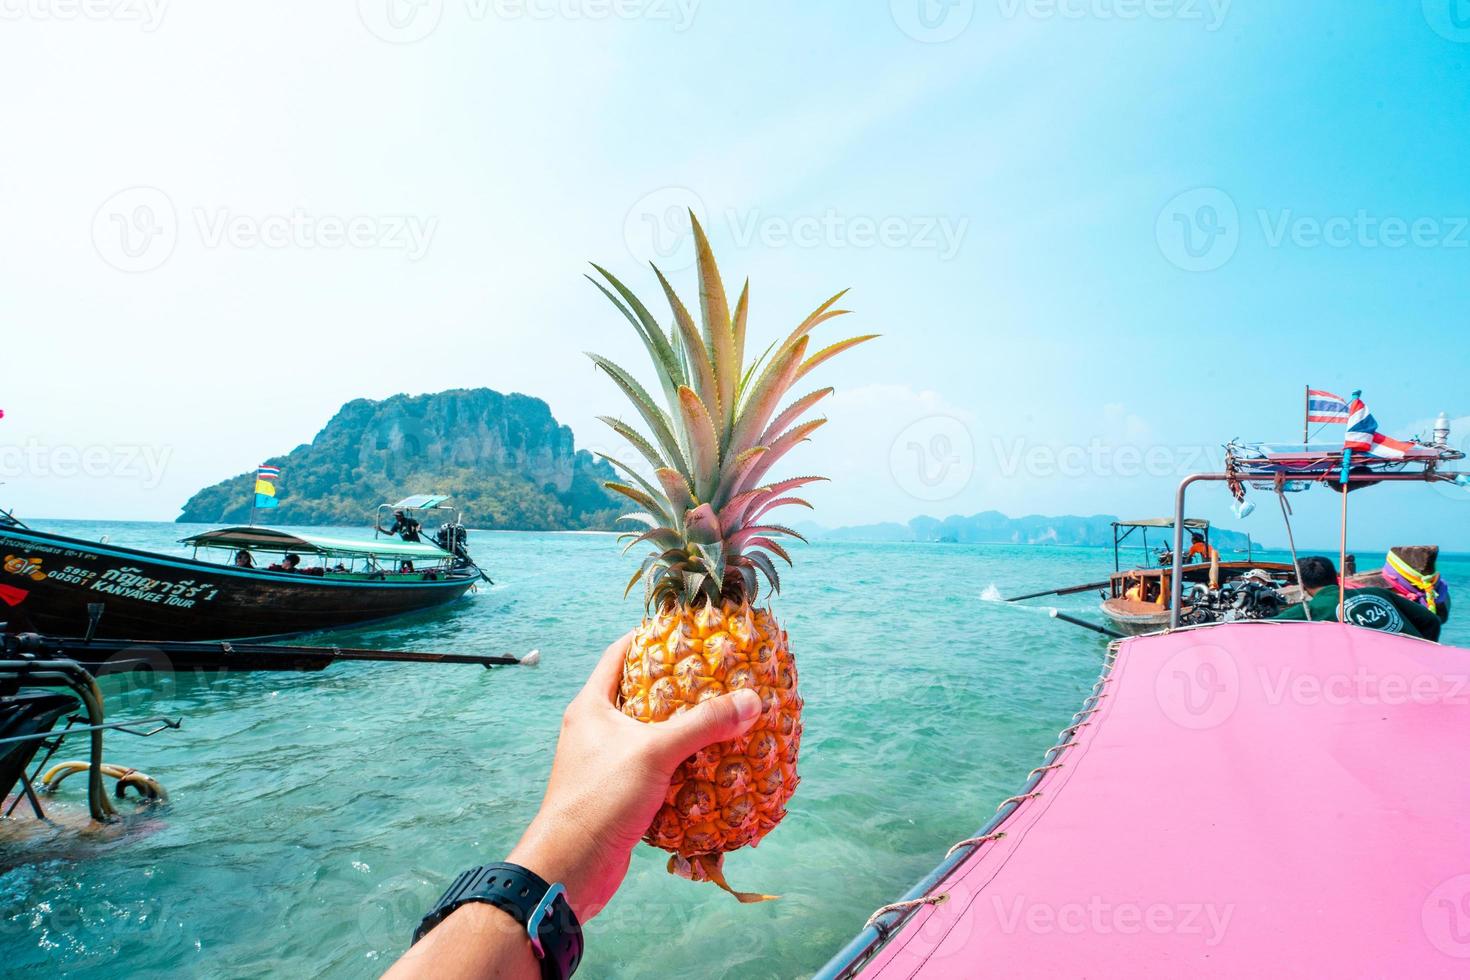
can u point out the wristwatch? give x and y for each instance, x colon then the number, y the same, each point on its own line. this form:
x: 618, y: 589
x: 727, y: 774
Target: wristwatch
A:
x: 556, y: 936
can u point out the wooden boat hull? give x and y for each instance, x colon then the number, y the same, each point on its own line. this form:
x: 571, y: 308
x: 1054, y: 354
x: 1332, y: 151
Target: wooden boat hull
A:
x: 1136, y: 618
x: 48, y: 580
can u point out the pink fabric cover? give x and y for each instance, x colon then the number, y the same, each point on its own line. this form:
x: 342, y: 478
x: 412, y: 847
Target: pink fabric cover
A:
x: 1258, y: 799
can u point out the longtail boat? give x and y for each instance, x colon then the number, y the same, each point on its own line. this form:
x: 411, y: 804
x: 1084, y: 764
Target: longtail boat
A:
x: 1233, y: 798
x: 1137, y: 600
x: 251, y: 583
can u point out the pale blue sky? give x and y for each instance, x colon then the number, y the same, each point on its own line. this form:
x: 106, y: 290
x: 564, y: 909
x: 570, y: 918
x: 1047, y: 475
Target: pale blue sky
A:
x: 1005, y: 184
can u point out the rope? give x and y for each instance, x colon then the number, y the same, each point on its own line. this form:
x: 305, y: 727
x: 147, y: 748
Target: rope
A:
x: 1045, y: 768
x: 912, y: 903
x: 148, y: 787
x: 1057, y: 748
x: 975, y: 841
x: 1016, y: 799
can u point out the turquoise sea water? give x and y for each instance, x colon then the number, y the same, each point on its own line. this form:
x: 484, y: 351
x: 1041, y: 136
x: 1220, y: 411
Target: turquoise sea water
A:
x: 314, y: 817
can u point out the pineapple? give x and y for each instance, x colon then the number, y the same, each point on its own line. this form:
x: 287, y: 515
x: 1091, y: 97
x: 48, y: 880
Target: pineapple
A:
x: 705, y: 522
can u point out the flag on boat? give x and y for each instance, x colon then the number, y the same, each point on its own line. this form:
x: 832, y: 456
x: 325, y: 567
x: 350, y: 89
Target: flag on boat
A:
x: 1363, y: 435
x: 265, y: 485
x: 1324, y: 406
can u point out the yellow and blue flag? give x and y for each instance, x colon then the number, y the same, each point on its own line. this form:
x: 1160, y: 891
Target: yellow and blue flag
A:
x: 265, y: 485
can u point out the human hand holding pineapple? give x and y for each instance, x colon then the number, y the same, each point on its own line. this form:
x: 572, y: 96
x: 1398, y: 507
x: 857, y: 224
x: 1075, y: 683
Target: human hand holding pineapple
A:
x: 609, y: 778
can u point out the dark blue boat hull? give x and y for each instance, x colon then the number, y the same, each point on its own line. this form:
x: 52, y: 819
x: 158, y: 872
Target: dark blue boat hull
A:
x: 47, y: 581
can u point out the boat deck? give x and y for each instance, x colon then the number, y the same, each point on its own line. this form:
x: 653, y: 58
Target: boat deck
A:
x: 1278, y: 798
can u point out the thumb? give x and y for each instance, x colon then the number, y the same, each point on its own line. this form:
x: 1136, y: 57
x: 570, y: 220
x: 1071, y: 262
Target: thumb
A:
x: 716, y: 720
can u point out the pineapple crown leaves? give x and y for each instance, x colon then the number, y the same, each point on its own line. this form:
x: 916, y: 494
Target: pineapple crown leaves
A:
x: 714, y: 438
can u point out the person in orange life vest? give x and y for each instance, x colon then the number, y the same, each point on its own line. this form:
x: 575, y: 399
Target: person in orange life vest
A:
x: 1199, y: 551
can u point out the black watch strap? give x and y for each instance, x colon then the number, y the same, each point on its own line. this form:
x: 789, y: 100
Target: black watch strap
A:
x: 543, y: 909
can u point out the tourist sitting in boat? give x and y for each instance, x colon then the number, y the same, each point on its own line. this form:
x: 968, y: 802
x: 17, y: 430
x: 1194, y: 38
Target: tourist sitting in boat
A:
x: 1371, y: 607
x: 1199, y: 550
x: 290, y: 563
x: 608, y: 779
x: 404, y: 527
x: 244, y: 559
x: 406, y: 567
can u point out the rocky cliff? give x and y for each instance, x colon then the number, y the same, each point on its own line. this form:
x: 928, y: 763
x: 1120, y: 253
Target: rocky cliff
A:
x: 503, y: 458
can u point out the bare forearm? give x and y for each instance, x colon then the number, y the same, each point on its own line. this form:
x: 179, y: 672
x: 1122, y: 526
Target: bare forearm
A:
x: 476, y: 940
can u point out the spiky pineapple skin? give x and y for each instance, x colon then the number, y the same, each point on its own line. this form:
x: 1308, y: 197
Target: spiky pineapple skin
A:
x: 731, y: 794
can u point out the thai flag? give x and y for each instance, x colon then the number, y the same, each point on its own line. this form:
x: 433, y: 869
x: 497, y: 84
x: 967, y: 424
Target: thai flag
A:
x: 265, y: 472
x: 1363, y: 435
x: 1324, y: 406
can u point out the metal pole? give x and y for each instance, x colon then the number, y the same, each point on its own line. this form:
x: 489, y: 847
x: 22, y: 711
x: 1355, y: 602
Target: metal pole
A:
x: 1291, y: 540
x: 1176, y: 586
x: 1342, y: 553
x: 1307, y: 417
x: 1075, y: 621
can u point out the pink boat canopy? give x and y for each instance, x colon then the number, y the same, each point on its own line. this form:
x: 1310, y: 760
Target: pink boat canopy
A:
x: 1262, y: 799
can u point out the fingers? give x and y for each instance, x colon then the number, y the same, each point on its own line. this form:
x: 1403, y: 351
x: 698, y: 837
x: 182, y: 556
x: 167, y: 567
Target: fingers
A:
x: 602, y: 686
x: 716, y: 720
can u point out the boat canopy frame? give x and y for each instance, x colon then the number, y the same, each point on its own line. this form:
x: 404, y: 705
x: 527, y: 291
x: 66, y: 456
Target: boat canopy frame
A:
x: 273, y: 540
x: 423, y: 503
x: 1143, y: 524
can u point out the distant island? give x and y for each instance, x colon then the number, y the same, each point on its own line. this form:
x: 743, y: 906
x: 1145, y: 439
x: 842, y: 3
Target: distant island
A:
x: 993, y: 527
x: 504, y: 460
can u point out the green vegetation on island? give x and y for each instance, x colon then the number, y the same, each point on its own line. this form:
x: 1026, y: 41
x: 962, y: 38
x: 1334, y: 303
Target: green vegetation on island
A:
x: 504, y: 460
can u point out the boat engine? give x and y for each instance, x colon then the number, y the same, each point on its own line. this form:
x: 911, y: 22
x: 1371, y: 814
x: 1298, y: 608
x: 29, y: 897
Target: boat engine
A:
x: 455, y: 539
x: 1243, y: 599
x: 1255, y: 600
